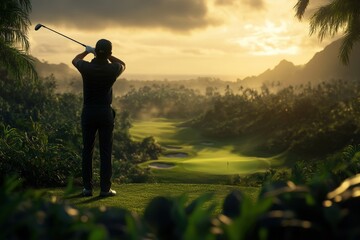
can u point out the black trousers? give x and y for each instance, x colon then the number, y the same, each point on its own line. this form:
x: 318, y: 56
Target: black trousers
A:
x: 97, y: 119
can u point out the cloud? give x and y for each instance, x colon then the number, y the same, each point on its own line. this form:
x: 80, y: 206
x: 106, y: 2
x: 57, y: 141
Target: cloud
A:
x: 257, y: 4
x: 268, y: 39
x: 175, y: 15
x: 224, y: 2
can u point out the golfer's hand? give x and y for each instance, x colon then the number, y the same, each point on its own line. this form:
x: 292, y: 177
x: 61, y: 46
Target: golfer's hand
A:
x: 90, y: 49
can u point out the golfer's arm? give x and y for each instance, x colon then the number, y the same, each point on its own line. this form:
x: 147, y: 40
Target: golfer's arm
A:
x: 113, y: 59
x: 78, y: 57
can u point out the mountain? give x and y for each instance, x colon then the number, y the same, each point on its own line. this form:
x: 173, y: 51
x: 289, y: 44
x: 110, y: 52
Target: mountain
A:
x: 323, y: 66
x: 66, y: 78
x: 284, y: 71
x: 60, y: 71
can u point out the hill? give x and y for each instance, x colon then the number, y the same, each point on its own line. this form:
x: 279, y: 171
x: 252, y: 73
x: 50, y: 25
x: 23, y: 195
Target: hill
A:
x: 323, y: 66
x: 67, y: 79
x: 60, y: 71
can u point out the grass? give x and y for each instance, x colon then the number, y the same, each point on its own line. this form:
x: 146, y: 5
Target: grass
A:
x: 135, y: 197
x: 203, y: 155
x: 207, y: 166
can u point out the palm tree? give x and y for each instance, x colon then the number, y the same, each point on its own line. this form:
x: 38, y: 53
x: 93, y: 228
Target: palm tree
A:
x: 330, y: 18
x: 14, y: 43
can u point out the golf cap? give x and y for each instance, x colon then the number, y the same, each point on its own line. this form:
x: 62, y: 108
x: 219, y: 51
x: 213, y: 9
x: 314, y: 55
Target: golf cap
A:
x: 103, y: 46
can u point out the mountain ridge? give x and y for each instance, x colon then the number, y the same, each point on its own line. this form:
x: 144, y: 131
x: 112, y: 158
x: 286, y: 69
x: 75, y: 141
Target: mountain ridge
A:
x: 325, y: 65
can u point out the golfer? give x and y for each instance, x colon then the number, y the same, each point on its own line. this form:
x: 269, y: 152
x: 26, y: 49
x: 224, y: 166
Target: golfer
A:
x: 97, y: 115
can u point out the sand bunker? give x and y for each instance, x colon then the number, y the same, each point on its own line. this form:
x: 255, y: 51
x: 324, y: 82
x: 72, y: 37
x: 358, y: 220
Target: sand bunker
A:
x: 161, y: 165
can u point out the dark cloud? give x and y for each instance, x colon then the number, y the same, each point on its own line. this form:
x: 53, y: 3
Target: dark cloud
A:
x: 177, y: 15
x: 255, y: 4
x: 224, y: 2
x: 258, y: 4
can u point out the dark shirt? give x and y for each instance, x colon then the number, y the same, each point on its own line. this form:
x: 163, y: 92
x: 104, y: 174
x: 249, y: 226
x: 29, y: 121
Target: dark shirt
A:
x: 98, y: 79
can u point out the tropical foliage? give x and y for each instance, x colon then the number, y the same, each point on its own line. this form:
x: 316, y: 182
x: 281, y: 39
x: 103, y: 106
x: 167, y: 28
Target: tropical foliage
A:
x: 306, y: 120
x: 335, y: 16
x: 282, y: 211
x: 40, y: 136
x: 14, y: 44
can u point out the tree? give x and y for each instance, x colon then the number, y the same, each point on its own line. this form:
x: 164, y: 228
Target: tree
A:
x: 14, y: 43
x: 330, y: 18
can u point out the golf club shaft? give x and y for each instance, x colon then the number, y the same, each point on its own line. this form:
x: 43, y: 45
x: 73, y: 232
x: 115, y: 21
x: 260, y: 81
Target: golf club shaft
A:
x: 64, y: 36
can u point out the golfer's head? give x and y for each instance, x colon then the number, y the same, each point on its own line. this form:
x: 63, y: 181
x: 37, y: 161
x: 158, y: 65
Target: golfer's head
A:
x: 103, y: 49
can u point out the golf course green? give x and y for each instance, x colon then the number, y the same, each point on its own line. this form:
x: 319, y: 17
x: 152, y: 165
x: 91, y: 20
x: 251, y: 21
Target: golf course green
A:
x: 187, y: 151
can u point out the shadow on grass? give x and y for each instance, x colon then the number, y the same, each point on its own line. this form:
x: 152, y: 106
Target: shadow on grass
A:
x: 73, y: 196
x: 92, y: 199
x: 85, y: 199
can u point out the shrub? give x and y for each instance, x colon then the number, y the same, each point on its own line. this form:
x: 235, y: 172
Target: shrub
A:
x: 282, y: 211
x: 34, y: 159
x: 125, y: 171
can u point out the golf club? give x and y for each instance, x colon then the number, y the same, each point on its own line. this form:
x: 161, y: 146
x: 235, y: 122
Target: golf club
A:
x: 38, y: 26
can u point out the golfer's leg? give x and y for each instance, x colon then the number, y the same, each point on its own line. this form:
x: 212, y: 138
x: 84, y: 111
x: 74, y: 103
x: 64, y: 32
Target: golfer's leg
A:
x: 88, y: 133
x: 106, y: 142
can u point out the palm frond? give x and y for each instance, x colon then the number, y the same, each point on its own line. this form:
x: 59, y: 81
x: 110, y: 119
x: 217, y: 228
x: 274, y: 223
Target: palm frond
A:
x: 338, y: 16
x: 15, y: 22
x: 329, y: 19
x: 15, y: 37
x: 300, y: 8
x: 352, y: 35
x: 26, y: 5
x: 17, y: 62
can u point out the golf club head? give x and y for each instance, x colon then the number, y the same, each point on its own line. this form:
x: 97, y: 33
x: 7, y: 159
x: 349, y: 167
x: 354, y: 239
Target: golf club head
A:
x: 38, y: 26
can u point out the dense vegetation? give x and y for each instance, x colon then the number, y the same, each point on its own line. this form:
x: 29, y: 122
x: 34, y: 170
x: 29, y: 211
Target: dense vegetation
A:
x: 282, y: 211
x: 41, y: 142
x: 303, y: 120
x: 306, y: 120
x: 40, y: 136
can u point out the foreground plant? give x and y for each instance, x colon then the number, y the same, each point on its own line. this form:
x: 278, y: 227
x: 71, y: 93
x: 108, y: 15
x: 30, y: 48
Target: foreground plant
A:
x: 282, y: 211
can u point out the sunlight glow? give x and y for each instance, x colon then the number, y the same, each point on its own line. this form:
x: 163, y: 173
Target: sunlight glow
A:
x: 267, y: 39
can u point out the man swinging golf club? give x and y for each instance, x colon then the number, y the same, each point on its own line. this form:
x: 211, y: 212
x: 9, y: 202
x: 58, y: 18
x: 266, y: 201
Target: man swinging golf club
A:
x: 97, y: 115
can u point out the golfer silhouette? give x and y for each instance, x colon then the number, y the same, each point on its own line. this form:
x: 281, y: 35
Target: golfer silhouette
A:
x: 97, y: 115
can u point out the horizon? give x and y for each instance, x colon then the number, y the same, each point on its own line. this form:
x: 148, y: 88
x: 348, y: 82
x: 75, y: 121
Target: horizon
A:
x: 191, y: 38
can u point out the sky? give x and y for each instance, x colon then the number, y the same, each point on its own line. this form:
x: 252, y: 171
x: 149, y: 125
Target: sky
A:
x: 228, y: 38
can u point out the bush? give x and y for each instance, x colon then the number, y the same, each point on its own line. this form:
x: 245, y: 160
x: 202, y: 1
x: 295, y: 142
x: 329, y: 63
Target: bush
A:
x: 34, y: 159
x: 282, y: 211
x: 126, y: 172
x: 29, y: 215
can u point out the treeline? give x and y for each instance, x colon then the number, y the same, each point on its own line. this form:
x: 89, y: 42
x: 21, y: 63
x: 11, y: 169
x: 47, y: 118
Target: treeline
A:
x: 122, y: 86
x: 163, y: 100
x: 40, y: 136
x: 199, y: 84
x: 306, y: 120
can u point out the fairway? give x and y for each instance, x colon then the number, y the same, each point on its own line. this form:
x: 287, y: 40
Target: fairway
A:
x: 187, y: 150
